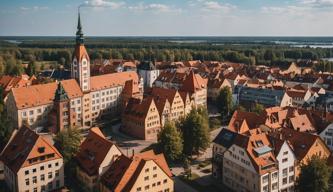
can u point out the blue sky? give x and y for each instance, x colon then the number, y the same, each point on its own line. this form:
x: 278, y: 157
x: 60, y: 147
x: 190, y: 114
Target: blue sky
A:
x: 168, y: 17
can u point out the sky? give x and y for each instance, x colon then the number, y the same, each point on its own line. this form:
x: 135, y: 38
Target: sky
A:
x: 167, y: 17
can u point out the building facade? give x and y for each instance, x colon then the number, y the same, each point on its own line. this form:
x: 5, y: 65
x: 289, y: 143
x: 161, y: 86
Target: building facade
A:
x: 88, y: 97
x: 31, y: 163
x: 95, y: 156
x: 142, y: 172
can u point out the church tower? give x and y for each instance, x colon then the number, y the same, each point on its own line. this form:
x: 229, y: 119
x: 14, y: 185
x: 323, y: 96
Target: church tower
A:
x: 81, y: 63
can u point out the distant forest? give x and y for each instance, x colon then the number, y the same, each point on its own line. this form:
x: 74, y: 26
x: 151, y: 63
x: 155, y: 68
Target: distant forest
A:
x: 58, y: 51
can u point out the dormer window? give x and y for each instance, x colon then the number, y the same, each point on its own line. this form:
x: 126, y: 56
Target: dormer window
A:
x: 41, y: 149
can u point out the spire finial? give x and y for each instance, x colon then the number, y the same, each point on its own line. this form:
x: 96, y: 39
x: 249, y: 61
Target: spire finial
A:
x: 79, y: 34
x: 79, y: 27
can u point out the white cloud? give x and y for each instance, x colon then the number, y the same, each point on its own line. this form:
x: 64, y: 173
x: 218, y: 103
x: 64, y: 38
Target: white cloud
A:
x: 317, y: 3
x: 154, y: 7
x: 34, y: 8
x: 215, y: 6
x: 103, y: 3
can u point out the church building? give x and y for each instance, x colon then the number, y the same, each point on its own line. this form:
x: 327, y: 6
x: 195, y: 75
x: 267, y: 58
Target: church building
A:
x: 78, y: 101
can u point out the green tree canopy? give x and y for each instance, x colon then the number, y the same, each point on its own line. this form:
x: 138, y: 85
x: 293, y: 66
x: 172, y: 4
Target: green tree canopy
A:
x: 224, y: 101
x: 170, y: 142
x: 31, y: 69
x: 5, y: 128
x: 68, y: 143
x: 195, y: 130
x: 258, y: 108
x: 314, y: 176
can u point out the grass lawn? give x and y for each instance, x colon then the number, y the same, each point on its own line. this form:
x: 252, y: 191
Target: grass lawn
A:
x: 211, y: 188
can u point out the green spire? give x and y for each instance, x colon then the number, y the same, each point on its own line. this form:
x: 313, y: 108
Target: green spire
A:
x: 79, y: 33
x: 60, y: 94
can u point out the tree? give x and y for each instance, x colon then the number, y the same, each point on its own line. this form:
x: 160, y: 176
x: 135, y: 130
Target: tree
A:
x: 5, y: 129
x: 12, y: 67
x: 258, y: 108
x: 224, y: 101
x: 31, y: 69
x: 68, y: 142
x: 314, y: 176
x: 195, y: 130
x: 170, y: 142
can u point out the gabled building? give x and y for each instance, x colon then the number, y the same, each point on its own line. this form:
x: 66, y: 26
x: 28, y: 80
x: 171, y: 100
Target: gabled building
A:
x: 8, y: 82
x: 95, y: 156
x: 241, y: 122
x: 177, y: 104
x: 248, y: 162
x: 186, y: 81
x: 142, y: 172
x: 304, y: 145
x: 215, y: 86
x: 287, y: 161
x: 89, y: 97
x: 31, y: 163
x: 141, y: 119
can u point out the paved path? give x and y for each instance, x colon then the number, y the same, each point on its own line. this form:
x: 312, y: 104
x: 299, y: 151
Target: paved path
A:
x: 180, y: 186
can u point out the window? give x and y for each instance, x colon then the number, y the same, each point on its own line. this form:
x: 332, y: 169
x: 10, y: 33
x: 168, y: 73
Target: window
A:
x: 284, y: 160
x: 165, y: 181
x: 291, y: 169
x: 284, y: 172
x: 146, y: 187
x: 138, y: 189
x: 50, y: 165
x: 42, y: 177
x: 285, y: 153
x: 26, y: 172
x: 265, y: 179
x: 146, y: 178
x: 49, y: 185
x: 284, y: 181
x: 42, y: 168
x: 155, y: 175
x: 31, y: 112
x: 34, y: 179
x: 43, y: 188
x: 275, y: 186
x: 147, y: 170
x: 35, y: 189
x: 39, y: 110
x: 265, y: 188
x: 159, y: 183
x: 57, y: 173
x: 34, y: 170
x: 291, y: 179
x: 275, y: 175
x: 27, y: 182
x: 50, y: 175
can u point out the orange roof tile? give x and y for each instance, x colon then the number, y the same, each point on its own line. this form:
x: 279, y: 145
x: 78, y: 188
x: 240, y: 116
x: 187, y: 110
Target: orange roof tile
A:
x: 111, y: 80
x: 27, y: 148
x: 44, y: 93
x: 123, y: 173
x: 93, y: 151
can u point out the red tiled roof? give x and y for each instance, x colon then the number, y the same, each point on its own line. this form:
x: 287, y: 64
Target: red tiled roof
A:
x: 121, y: 176
x: 93, y: 151
x: 111, y: 80
x: 25, y: 146
x: 44, y: 93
